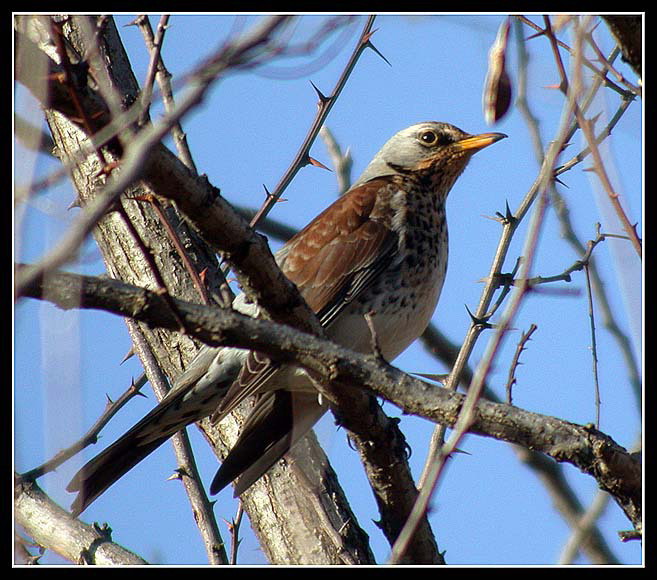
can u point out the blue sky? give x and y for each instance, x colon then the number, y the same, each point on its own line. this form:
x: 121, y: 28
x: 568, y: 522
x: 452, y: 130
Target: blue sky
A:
x: 489, y: 509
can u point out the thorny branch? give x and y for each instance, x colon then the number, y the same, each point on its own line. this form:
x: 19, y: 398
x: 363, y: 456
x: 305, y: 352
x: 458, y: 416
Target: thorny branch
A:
x: 586, y: 125
x: 439, y: 451
x: 526, y: 336
x: 598, y: 138
x: 90, y: 437
x: 583, y: 446
x: 324, y: 106
x: 187, y: 472
x: 428, y: 551
x: 236, y: 54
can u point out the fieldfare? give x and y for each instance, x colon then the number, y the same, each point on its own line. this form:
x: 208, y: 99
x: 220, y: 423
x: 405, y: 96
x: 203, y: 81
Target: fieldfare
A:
x: 380, y: 250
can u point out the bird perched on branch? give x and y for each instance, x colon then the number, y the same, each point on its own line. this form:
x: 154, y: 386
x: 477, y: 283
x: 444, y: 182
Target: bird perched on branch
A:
x: 378, y: 252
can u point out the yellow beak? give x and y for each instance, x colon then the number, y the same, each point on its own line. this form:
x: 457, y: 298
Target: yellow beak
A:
x: 477, y: 142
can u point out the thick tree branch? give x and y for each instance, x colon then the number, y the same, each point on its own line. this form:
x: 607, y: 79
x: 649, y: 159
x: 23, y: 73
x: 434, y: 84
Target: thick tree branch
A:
x: 286, y: 535
x: 615, y: 470
x: 53, y: 528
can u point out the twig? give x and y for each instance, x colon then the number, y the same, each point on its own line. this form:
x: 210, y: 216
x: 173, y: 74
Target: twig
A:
x: 325, y: 105
x: 341, y: 161
x: 201, y: 506
x: 594, y: 347
x: 57, y: 36
x: 609, y: 67
x: 583, y: 528
x: 308, y: 47
x: 91, y: 436
x: 564, y: 498
x: 607, y: 82
x: 580, y: 264
x: 155, y: 47
x: 54, y: 529
x: 32, y: 137
x: 234, y: 528
x: 175, y: 240
x: 374, y: 339
x: 163, y: 78
x: 563, y: 214
x: 524, y: 338
x: 566, y: 502
x: 149, y: 258
x: 92, y: 27
x: 438, y: 451
x: 23, y: 194
x: 586, y: 127
x: 135, y: 161
x: 604, y: 133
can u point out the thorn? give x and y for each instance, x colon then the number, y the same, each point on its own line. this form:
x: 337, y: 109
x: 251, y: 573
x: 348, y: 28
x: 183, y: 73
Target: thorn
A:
x: 368, y: 44
x: 560, y: 182
x: 128, y: 355
x: 269, y: 195
x: 178, y: 474
x: 457, y: 450
x: 323, y: 99
x: 378, y: 524
x: 147, y: 197
x: 104, y: 531
x: 505, y: 279
x: 595, y: 25
x: 137, y: 389
x: 483, y: 322
x: 593, y: 120
x: 433, y: 377
x: 135, y: 21
x: 75, y: 203
x: 508, y: 215
x: 536, y: 34
x: 316, y: 163
x: 107, y: 168
x: 230, y: 525
x: 369, y: 35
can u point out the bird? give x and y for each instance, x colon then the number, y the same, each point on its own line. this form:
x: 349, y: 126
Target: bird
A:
x: 370, y: 265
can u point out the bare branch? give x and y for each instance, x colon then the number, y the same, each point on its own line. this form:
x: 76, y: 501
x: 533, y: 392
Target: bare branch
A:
x: 56, y: 530
x: 588, y: 449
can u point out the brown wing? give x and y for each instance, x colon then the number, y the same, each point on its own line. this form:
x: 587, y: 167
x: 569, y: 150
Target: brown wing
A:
x: 345, y: 244
x: 330, y: 260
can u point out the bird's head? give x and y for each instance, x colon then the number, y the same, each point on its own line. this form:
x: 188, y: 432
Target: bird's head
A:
x: 432, y: 146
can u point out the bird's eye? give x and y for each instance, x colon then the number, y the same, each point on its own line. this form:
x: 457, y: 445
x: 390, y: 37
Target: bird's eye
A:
x: 429, y: 138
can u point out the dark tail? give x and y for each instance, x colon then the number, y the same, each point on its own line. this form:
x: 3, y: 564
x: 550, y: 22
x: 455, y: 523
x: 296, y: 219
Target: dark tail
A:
x: 146, y: 436
x: 107, y: 467
x: 279, y: 419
